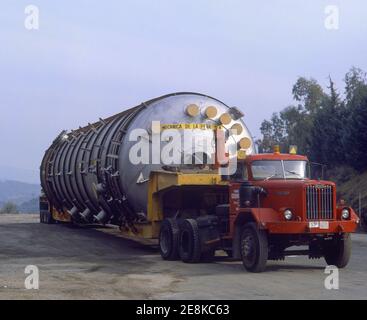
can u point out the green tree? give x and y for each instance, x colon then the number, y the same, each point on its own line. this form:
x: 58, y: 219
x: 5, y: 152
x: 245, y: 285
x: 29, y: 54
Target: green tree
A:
x: 355, y: 86
x: 309, y: 94
x: 273, y: 133
x: 328, y: 129
x: 293, y: 125
x: 9, y: 207
x: 356, y: 136
x: 297, y: 127
x: 355, y: 133
x: 325, y: 127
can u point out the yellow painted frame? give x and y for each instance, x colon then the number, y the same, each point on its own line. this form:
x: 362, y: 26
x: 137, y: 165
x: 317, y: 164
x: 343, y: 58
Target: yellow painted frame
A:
x: 159, y: 182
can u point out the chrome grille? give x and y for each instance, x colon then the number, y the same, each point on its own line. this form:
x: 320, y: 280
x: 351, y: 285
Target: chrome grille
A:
x: 319, y: 202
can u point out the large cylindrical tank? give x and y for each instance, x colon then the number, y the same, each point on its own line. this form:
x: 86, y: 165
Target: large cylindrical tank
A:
x: 89, y: 171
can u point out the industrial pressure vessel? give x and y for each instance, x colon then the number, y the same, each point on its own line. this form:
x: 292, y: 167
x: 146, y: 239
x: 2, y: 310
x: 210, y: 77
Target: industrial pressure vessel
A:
x: 91, y: 172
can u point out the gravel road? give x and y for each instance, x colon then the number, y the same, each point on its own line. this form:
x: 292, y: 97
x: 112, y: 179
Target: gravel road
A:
x: 98, y: 263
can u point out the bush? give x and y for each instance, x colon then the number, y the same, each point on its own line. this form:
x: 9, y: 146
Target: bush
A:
x: 9, y: 207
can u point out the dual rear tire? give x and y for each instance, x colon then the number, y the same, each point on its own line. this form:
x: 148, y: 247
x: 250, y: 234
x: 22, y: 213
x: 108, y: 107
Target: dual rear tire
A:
x: 190, y: 246
x: 169, y: 239
x: 182, y: 241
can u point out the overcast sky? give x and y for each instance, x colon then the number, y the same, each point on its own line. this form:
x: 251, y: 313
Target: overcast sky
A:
x: 92, y: 59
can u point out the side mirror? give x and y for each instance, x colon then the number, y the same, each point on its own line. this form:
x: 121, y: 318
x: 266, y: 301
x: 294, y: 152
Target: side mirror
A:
x: 317, y: 170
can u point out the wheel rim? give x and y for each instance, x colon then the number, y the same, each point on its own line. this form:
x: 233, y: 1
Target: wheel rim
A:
x: 249, y: 249
x: 164, y: 241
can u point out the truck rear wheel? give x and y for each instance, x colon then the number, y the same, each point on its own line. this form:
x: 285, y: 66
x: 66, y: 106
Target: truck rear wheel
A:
x: 254, y: 248
x: 190, y: 247
x: 169, y: 239
x: 337, y: 251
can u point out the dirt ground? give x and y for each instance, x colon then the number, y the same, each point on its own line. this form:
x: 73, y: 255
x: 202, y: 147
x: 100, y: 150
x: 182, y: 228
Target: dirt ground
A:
x: 90, y: 263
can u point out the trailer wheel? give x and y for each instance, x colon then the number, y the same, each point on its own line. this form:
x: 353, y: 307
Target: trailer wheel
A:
x: 254, y: 248
x: 189, y: 248
x: 337, y: 251
x: 168, y: 239
x: 46, y: 217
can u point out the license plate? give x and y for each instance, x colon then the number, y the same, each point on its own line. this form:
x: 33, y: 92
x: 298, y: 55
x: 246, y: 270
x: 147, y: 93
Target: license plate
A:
x: 318, y: 224
x: 324, y: 224
x: 313, y: 224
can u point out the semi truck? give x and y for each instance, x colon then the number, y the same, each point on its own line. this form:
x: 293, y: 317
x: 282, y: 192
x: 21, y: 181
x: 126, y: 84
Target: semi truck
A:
x: 268, y: 207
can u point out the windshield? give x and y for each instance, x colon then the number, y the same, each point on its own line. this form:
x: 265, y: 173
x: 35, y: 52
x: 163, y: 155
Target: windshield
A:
x: 279, y: 169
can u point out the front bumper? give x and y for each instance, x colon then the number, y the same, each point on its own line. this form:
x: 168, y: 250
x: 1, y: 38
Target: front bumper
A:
x: 311, y: 227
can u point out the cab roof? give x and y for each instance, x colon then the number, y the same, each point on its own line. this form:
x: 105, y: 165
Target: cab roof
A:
x: 275, y: 156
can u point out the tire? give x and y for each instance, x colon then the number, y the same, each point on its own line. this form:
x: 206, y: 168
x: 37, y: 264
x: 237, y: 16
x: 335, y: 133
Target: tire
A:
x: 337, y: 252
x: 169, y: 239
x: 190, y: 247
x: 46, y: 217
x: 254, y: 248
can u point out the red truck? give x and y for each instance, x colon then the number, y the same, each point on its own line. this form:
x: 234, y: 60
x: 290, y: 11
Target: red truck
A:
x: 272, y: 205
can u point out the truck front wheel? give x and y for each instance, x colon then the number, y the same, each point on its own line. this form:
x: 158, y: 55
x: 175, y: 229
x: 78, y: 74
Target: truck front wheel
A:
x: 254, y: 248
x: 168, y: 239
x: 190, y: 247
x: 337, y: 251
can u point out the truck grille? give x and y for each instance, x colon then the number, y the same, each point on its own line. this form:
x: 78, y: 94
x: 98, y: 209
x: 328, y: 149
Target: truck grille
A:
x: 319, y: 202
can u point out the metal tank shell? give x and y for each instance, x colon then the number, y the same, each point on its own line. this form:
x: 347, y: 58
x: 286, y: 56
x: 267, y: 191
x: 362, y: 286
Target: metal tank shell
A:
x: 89, y: 173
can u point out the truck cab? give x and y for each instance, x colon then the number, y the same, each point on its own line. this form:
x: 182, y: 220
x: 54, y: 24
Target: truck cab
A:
x: 268, y: 209
x: 275, y: 205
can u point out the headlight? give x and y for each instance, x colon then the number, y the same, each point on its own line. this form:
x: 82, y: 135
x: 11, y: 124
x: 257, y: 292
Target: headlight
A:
x: 288, y: 214
x: 345, y: 214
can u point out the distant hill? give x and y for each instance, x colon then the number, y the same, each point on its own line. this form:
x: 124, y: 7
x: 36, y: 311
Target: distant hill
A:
x: 24, y: 195
x: 353, y: 188
x: 19, y: 174
x: 31, y: 206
